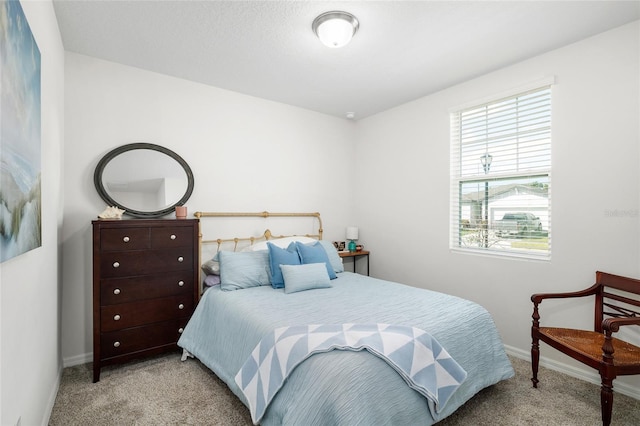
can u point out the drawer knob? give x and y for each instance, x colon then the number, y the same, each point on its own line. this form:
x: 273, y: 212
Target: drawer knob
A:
x: 116, y: 264
x: 126, y: 239
x: 180, y: 330
x: 181, y: 306
x: 116, y: 317
x: 116, y: 345
x: 180, y: 283
x: 116, y: 291
x: 180, y: 259
x: 173, y: 236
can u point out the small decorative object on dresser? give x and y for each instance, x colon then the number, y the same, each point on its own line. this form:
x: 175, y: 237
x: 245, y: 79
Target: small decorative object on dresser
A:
x: 145, y: 287
x: 111, y: 212
x: 181, y: 212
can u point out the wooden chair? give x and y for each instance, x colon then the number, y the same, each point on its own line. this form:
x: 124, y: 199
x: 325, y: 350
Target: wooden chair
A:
x: 616, y: 297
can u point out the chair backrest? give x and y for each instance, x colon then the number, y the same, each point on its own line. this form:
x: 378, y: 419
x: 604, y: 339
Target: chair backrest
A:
x: 618, y: 297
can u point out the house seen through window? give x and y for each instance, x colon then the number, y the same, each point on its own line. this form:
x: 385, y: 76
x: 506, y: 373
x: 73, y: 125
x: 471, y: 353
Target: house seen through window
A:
x: 500, y: 176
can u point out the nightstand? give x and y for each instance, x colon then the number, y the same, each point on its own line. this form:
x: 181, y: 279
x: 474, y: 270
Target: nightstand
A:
x: 355, y: 255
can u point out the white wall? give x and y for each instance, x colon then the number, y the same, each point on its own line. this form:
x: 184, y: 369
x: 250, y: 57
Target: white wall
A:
x: 30, y: 283
x: 247, y: 154
x: 402, y: 187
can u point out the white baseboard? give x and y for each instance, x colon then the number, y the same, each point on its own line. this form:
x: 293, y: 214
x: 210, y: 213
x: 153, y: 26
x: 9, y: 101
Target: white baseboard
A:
x: 77, y: 360
x: 590, y: 375
x: 52, y: 399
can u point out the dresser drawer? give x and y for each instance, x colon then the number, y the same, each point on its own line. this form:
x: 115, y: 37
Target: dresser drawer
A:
x: 171, y: 236
x: 122, y: 290
x: 117, y: 317
x: 134, y: 339
x: 124, y: 239
x: 126, y: 264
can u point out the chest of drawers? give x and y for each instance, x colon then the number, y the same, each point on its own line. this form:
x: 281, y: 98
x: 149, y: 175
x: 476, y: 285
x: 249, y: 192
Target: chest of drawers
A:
x: 145, y: 287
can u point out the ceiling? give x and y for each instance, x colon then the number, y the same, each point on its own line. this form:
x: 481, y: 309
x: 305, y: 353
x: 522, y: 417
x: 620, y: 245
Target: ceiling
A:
x: 403, y: 50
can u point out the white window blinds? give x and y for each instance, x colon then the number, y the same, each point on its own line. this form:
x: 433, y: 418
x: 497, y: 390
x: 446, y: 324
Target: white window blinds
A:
x: 500, y: 175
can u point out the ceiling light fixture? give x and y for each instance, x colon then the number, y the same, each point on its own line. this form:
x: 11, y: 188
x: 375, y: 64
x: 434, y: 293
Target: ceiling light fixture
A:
x: 335, y: 29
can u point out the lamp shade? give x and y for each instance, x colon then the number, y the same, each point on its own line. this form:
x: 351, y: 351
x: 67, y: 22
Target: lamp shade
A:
x: 335, y: 29
x: 352, y: 233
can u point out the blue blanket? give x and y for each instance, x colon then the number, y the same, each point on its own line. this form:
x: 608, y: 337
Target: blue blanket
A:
x: 413, y: 353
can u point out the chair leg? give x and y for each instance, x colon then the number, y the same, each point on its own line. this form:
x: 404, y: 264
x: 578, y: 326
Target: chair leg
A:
x: 606, y: 400
x: 535, y: 360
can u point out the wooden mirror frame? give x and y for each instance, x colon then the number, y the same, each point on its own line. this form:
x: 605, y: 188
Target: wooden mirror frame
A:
x: 97, y: 179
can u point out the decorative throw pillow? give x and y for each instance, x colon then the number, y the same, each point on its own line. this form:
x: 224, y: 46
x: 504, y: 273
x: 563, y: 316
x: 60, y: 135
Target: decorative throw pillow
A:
x: 211, y: 266
x: 279, y: 256
x: 240, y: 270
x: 305, y: 277
x: 334, y: 257
x: 212, y: 280
x: 315, y: 253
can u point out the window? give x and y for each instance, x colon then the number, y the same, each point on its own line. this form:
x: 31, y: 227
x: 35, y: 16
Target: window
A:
x: 500, y: 176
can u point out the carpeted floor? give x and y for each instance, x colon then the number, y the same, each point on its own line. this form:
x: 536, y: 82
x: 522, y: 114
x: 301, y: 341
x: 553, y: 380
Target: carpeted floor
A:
x: 165, y: 391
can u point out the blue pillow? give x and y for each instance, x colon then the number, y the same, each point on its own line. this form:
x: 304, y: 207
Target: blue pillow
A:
x: 240, y: 270
x: 334, y: 257
x: 305, y: 277
x: 279, y: 256
x: 315, y: 253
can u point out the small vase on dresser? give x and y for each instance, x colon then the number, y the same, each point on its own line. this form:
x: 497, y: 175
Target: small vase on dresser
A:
x: 145, y: 287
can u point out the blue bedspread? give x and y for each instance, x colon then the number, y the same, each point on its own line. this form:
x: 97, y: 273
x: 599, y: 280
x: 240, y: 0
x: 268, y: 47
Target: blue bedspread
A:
x: 344, y: 387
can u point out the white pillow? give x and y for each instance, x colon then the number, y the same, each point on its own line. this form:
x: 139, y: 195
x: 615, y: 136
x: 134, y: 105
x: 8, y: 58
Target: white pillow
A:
x: 279, y: 242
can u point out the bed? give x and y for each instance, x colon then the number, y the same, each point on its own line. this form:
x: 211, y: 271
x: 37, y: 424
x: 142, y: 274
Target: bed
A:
x: 335, y: 387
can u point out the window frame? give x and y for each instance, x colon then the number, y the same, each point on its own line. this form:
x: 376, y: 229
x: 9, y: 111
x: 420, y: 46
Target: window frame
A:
x: 535, y: 178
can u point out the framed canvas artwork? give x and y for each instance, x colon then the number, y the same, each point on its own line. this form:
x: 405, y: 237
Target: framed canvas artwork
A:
x: 20, y: 134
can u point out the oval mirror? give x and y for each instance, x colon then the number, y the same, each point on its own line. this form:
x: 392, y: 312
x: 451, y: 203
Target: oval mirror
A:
x: 144, y: 179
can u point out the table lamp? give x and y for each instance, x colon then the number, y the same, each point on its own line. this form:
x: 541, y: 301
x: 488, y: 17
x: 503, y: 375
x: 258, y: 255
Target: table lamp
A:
x: 352, y: 235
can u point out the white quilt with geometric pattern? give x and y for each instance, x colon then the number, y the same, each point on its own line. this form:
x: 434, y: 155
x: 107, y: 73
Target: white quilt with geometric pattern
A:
x: 421, y: 361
